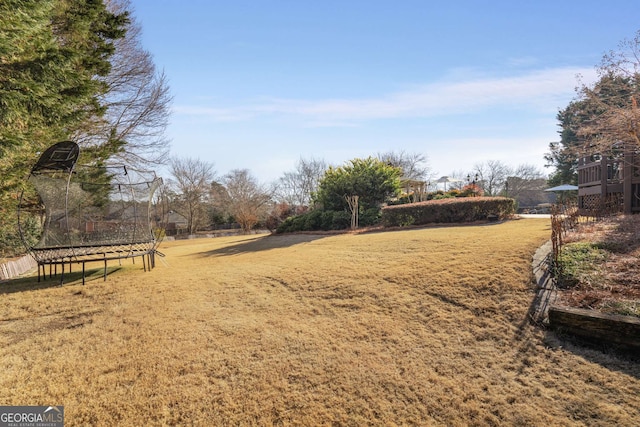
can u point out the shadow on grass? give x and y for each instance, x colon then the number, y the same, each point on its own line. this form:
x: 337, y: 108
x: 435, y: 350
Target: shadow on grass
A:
x: 610, y: 356
x: 606, y: 355
x: 275, y: 241
x: 263, y: 243
x: 31, y: 283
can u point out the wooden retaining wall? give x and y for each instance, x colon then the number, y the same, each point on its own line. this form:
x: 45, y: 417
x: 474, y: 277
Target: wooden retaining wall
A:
x: 622, y: 332
x: 11, y: 269
x: 619, y: 331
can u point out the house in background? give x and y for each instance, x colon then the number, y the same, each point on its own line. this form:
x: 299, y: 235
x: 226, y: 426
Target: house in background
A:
x: 530, y: 194
x: 176, y: 224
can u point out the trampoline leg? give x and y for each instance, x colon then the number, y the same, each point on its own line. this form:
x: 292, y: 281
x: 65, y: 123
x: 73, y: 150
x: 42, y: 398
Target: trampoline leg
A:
x: 83, y: 263
x: 62, y: 274
x: 144, y: 264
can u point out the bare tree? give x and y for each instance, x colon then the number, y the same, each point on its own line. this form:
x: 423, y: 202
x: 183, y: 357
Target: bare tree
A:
x: 414, y: 169
x: 296, y: 187
x: 248, y: 201
x: 491, y: 176
x: 414, y: 166
x: 524, y: 178
x: 191, y: 185
x: 137, y: 102
x: 526, y: 185
x: 613, y: 101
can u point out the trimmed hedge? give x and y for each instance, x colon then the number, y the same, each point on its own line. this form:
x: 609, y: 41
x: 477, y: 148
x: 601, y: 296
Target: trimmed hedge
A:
x: 455, y: 210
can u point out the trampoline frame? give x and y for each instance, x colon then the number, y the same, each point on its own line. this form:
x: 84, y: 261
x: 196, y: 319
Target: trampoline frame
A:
x: 60, y: 159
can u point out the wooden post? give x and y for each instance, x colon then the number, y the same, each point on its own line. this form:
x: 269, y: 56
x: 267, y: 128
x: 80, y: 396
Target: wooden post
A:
x: 604, y: 184
x: 627, y: 177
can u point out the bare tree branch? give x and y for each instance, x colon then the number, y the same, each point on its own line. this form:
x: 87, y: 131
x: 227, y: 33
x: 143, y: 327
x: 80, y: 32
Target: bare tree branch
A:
x: 137, y: 103
x: 296, y: 187
x: 247, y: 199
x: 612, y: 115
x: 191, y: 184
x: 414, y: 166
x: 492, y: 175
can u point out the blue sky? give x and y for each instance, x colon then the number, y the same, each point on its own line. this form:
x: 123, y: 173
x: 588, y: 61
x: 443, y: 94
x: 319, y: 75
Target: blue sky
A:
x: 259, y: 84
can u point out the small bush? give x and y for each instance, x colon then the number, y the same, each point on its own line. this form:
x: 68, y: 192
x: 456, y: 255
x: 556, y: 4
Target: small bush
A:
x: 312, y: 221
x: 369, y: 217
x: 317, y: 220
x: 341, y: 220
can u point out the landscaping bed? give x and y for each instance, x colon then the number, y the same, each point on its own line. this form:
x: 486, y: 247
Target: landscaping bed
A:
x: 598, y: 267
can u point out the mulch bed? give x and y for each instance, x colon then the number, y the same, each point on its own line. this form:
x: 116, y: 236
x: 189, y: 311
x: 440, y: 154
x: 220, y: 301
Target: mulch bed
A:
x: 620, y: 273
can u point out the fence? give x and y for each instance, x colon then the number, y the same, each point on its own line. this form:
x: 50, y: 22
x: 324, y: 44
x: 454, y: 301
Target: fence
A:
x: 564, y: 217
x: 17, y: 267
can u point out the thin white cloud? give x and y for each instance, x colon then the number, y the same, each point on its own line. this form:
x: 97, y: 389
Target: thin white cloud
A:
x: 543, y: 90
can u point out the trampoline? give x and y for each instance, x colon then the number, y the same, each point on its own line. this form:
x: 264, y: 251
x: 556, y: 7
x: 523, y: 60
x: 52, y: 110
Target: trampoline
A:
x: 92, y: 213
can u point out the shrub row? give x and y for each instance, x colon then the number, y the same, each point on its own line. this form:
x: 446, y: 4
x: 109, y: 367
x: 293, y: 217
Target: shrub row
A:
x: 317, y: 219
x: 467, y: 209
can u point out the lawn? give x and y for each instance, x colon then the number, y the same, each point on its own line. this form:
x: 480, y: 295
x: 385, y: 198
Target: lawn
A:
x: 412, y: 327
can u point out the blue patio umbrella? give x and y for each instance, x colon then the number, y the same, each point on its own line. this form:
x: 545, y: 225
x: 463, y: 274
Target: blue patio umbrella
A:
x: 563, y: 187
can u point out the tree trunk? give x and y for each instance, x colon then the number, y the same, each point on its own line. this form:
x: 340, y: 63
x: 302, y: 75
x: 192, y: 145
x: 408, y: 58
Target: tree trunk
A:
x: 353, y: 207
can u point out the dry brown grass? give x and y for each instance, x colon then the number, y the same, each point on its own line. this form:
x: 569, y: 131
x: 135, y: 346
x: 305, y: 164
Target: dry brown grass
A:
x: 415, y: 327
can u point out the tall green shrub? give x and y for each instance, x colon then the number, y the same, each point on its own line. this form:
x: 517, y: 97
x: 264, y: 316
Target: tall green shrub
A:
x: 53, y: 54
x: 373, y: 181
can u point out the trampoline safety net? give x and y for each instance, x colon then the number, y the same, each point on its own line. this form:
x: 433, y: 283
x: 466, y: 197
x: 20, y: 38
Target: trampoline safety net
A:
x: 93, y: 212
